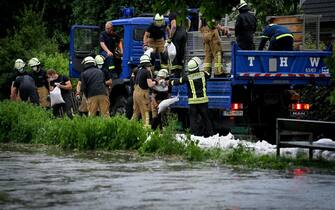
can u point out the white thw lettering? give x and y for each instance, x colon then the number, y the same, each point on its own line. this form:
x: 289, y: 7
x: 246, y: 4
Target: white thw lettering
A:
x: 283, y: 61
x: 251, y: 59
x: 314, y: 61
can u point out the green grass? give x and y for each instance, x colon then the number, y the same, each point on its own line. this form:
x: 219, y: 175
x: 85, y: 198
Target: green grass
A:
x: 25, y: 123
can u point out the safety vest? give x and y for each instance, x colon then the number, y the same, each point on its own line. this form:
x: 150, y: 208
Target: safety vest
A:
x: 196, y: 83
x: 274, y: 31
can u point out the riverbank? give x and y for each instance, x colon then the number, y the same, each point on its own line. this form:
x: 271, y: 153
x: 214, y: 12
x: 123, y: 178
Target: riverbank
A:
x: 25, y: 123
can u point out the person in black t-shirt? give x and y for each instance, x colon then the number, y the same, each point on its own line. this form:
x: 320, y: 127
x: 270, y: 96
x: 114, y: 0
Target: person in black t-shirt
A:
x: 111, y: 48
x: 65, y: 87
x: 143, y: 81
x: 41, y: 81
x: 154, y: 36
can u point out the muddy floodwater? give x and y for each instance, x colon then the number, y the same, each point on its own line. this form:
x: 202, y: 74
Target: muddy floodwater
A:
x: 47, y: 181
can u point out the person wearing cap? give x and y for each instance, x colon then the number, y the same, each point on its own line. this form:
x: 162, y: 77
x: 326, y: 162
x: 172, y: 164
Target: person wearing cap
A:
x: 143, y: 82
x: 197, y: 98
x: 41, y: 80
x: 24, y: 84
x: 160, y: 92
x: 212, y: 43
x: 245, y: 27
x: 93, y: 86
x: 281, y: 38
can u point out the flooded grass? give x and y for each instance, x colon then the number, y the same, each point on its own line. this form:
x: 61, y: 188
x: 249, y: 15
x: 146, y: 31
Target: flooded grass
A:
x: 121, y: 140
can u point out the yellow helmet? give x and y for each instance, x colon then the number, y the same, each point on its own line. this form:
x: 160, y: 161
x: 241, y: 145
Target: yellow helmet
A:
x: 33, y: 62
x: 19, y: 64
x: 99, y: 60
x: 194, y: 64
x: 88, y: 59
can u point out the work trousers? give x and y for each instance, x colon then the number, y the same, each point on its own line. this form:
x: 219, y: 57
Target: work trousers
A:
x: 100, y: 102
x: 282, y: 44
x: 141, y: 105
x: 156, y: 44
x: 212, y: 43
x: 43, y: 96
x: 200, y: 124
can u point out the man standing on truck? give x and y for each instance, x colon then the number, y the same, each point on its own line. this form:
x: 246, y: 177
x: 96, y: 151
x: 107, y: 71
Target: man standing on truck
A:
x: 281, y: 38
x: 197, y: 98
x: 111, y: 48
x: 41, y: 81
x: 93, y: 86
x: 245, y: 27
x: 143, y: 81
x: 178, y: 36
x: 212, y: 42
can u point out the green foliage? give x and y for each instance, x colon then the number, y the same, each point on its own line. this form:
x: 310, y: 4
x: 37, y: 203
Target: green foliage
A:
x: 27, y: 37
x: 57, y: 61
x: 19, y: 122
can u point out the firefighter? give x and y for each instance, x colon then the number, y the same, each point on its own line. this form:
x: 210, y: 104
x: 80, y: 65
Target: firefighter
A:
x: 99, y: 60
x: 143, y: 81
x: 93, y: 86
x: 24, y: 84
x: 281, y: 38
x: 178, y: 36
x: 154, y: 36
x: 197, y: 98
x: 160, y: 91
x: 212, y: 43
x: 245, y: 27
x: 41, y: 81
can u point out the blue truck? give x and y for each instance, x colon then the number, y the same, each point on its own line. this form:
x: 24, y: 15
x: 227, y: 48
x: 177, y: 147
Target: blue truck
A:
x: 263, y: 84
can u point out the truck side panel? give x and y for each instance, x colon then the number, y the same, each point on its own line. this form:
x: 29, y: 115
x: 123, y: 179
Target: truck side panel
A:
x: 218, y: 91
x: 280, y: 67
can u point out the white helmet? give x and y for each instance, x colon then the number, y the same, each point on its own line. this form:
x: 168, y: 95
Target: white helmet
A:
x: 33, y: 62
x: 88, y: 59
x: 19, y: 64
x: 194, y: 64
x: 145, y: 59
x: 159, y: 19
x: 241, y: 4
x: 99, y: 60
x: 163, y: 73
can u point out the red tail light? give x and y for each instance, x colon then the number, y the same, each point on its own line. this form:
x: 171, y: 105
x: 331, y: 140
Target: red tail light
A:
x: 236, y: 106
x: 300, y: 106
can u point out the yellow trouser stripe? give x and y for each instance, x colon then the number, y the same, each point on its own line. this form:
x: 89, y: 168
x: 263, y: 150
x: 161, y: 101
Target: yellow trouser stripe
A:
x: 198, y: 100
x: 192, y: 89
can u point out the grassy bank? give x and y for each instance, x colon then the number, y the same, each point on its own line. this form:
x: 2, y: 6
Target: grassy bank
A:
x: 26, y: 123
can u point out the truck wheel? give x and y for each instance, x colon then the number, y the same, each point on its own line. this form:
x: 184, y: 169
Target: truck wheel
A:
x: 120, y: 106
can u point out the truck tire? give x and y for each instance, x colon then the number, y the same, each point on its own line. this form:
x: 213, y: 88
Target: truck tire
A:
x: 119, y: 107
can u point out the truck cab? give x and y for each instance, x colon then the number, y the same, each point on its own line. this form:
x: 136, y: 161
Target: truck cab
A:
x: 84, y: 41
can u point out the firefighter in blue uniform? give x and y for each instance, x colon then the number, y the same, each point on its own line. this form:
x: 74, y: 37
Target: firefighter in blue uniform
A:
x: 197, y: 97
x: 281, y: 38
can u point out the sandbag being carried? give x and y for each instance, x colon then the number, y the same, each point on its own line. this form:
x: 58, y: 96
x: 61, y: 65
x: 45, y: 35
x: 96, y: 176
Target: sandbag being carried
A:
x: 56, y: 96
x: 166, y: 103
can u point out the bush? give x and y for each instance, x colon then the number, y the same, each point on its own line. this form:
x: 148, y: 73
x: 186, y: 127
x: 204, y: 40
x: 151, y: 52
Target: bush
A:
x: 57, y: 61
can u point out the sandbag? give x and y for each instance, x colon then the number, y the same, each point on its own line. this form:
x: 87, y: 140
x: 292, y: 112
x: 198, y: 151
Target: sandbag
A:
x: 166, y: 103
x: 172, y: 51
x: 56, y: 96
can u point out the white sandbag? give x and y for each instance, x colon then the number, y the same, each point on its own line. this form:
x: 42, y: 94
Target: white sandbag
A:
x: 56, y: 96
x: 172, y: 52
x: 166, y: 103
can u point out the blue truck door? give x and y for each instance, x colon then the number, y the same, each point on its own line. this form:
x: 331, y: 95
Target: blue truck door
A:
x: 84, y: 41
